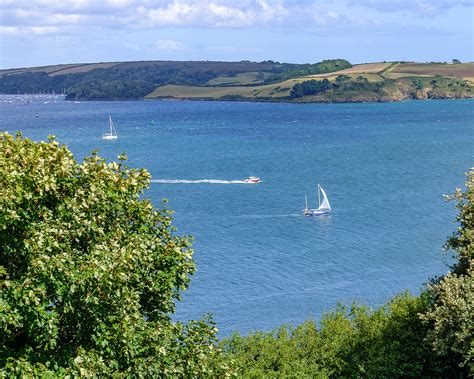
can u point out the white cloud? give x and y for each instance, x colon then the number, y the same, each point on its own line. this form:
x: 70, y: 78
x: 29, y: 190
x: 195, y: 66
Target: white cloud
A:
x: 157, y: 13
x: 75, y: 15
x: 169, y: 45
x: 35, y: 30
x: 426, y: 7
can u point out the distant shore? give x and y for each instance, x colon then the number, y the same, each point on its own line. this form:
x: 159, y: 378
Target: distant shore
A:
x: 328, y: 81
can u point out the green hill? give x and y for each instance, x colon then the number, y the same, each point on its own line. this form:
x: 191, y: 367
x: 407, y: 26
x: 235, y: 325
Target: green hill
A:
x: 335, y: 80
x: 135, y: 80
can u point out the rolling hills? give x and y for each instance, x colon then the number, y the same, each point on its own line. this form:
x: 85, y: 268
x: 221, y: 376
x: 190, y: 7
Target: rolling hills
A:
x: 335, y: 80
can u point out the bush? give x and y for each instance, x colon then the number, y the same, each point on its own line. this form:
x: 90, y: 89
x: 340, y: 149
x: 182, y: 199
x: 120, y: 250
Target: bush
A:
x: 309, y: 87
x: 355, y: 342
x: 90, y: 271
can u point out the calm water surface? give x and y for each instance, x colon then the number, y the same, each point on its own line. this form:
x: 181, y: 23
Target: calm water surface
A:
x: 260, y: 262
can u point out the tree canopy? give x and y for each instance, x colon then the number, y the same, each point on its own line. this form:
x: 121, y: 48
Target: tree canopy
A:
x: 90, y: 270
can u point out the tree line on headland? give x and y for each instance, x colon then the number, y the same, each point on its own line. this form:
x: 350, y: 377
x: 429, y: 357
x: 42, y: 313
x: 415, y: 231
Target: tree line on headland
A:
x: 135, y: 80
x: 333, y: 80
x: 90, y: 272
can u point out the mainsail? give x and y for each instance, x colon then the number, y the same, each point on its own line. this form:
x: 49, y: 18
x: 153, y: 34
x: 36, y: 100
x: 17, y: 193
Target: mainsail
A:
x: 325, y: 203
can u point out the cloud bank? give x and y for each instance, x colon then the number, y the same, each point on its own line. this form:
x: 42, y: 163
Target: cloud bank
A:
x: 50, y: 16
x: 49, y: 31
x: 20, y: 16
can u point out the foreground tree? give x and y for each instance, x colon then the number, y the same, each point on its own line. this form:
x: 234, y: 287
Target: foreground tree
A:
x: 451, y: 313
x: 90, y: 271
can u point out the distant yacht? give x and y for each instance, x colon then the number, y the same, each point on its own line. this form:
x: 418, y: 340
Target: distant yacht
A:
x: 323, y: 206
x: 112, y: 134
x: 252, y: 179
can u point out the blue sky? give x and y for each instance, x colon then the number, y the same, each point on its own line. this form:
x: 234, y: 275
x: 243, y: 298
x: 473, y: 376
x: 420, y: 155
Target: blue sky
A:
x: 43, y: 32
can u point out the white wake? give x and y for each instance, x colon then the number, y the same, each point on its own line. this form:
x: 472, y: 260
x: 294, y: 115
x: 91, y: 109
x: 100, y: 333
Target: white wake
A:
x: 198, y: 181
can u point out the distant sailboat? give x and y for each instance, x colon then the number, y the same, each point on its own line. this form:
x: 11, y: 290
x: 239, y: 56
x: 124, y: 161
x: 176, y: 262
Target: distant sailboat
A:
x: 323, y: 206
x: 112, y: 134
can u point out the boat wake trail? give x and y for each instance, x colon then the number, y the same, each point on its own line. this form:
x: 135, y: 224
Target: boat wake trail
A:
x: 199, y: 181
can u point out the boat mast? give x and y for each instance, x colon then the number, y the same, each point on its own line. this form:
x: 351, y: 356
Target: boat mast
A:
x: 306, y: 198
x: 110, y: 125
x: 319, y: 197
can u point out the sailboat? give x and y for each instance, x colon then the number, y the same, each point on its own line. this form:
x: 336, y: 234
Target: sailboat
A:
x: 112, y: 134
x: 323, y: 206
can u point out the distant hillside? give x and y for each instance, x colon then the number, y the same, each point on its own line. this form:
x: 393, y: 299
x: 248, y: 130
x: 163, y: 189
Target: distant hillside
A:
x: 134, y: 80
x: 387, y: 81
x: 335, y: 80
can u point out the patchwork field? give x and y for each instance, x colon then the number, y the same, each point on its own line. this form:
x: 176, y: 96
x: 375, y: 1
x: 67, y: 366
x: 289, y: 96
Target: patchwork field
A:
x: 239, y: 79
x: 81, y: 68
x: 245, y: 80
x: 60, y: 69
x: 366, y: 68
x: 196, y: 92
x: 461, y: 70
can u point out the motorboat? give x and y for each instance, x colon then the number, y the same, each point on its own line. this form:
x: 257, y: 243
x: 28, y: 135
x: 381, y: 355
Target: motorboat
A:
x: 252, y: 179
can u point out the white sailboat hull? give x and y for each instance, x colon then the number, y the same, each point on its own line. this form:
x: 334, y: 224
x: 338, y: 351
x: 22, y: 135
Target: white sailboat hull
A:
x: 323, y: 206
x: 316, y: 212
x: 109, y: 137
x: 112, y: 134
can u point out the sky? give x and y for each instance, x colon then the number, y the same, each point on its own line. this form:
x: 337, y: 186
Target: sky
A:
x: 46, y: 32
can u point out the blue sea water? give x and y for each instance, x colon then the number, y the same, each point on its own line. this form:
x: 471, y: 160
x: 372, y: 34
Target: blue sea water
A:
x: 261, y: 263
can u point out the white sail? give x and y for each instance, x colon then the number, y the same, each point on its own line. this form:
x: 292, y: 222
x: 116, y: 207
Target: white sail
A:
x: 325, y: 203
x: 112, y: 134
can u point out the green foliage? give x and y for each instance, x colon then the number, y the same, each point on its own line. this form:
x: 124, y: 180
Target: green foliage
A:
x: 451, y: 322
x: 110, y: 89
x: 287, y: 71
x: 418, y: 84
x: 343, y: 85
x: 310, y: 87
x: 90, y: 271
x: 134, y: 80
x: 36, y: 82
x: 451, y: 313
x: 342, y: 78
x: 462, y: 242
x: 126, y: 80
x: 358, y: 342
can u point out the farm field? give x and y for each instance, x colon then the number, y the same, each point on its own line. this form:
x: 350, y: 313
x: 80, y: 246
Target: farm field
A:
x: 188, y: 92
x: 365, y: 68
x: 243, y: 80
x: 239, y: 79
x: 461, y: 70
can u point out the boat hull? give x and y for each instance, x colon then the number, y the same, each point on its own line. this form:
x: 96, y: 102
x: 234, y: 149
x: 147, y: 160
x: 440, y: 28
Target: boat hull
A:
x: 252, y: 179
x: 315, y: 212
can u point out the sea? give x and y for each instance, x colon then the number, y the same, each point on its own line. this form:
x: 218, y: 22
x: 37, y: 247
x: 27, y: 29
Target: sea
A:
x: 260, y: 262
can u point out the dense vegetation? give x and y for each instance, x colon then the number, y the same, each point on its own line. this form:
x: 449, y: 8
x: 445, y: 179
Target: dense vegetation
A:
x: 131, y: 80
x: 135, y: 80
x: 245, y: 80
x: 310, y: 87
x: 90, y: 272
x: 288, y: 71
x: 347, y: 88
